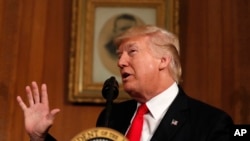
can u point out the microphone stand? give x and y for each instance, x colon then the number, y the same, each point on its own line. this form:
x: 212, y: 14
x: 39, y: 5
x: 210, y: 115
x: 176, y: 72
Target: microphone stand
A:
x: 110, y: 92
x: 109, y: 103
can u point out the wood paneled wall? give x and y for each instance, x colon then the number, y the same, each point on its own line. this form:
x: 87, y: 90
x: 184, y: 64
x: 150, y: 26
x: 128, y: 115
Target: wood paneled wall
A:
x: 215, y: 52
x: 35, y: 41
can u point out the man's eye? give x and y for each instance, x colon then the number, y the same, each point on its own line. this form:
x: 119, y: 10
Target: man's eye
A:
x: 132, y: 51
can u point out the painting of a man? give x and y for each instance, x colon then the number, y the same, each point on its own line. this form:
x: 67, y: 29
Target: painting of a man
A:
x: 121, y: 23
x: 114, y: 26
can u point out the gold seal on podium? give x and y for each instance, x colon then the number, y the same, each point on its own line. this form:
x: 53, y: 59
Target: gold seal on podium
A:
x: 99, y: 134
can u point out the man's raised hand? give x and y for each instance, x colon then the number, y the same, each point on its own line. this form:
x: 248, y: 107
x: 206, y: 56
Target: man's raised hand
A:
x: 38, y: 117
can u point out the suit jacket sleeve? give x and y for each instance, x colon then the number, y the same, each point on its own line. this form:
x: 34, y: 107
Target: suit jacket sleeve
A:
x: 221, y: 129
x: 49, y: 138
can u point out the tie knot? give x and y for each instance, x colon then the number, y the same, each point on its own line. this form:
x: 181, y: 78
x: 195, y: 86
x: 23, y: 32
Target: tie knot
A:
x: 143, y: 109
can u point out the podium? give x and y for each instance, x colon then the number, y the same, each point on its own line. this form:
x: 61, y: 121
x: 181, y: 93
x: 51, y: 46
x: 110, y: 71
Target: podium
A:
x: 99, y: 134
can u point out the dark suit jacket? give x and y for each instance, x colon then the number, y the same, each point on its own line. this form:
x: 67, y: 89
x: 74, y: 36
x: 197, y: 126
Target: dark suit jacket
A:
x: 197, y: 121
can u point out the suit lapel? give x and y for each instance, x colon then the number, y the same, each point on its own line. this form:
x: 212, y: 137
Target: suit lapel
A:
x: 125, y: 113
x: 173, y: 119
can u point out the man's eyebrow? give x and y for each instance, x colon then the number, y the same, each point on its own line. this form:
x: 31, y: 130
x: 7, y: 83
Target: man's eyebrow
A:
x: 129, y: 45
x: 126, y: 46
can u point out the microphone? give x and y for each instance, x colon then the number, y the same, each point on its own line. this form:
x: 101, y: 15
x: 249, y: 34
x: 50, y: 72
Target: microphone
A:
x: 110, y: 92
x: 110, y: 89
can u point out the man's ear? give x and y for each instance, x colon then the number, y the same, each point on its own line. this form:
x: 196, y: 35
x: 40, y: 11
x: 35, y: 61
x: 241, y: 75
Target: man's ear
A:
x: 164, y: 62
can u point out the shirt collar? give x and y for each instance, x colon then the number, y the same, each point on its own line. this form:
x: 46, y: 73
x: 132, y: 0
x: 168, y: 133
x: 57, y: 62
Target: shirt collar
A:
x: 159, y: 104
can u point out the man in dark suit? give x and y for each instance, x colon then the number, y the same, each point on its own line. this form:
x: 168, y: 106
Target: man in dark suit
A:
x: 150, y: 68
x: 151, y: 71
x: 186, y: 120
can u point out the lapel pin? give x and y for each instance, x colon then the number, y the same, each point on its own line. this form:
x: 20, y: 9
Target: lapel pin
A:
x: 174, y: 122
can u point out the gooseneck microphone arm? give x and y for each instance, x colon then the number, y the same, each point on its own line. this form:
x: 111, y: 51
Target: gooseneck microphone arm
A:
x: 110, y: 92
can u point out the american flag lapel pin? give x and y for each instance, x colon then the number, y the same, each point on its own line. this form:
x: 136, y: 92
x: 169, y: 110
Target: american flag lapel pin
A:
x: 174, y: 122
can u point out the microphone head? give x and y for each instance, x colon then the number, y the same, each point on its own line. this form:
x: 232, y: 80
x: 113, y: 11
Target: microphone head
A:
x: 110, y: 89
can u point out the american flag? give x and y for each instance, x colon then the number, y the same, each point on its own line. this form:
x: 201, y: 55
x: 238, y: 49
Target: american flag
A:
x: 174, y: 122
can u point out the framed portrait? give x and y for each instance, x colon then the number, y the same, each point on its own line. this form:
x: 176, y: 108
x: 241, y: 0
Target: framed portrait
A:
x: 94, y: 25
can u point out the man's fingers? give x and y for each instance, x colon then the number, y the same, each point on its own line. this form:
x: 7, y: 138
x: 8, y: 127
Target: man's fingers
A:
x: 53, y: 113
x: 44, y: 94
x: 21, y: 103
x: 29, y: 95
x: 35, y: 91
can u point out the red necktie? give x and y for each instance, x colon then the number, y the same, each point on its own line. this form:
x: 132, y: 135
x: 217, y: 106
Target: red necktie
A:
x: 134, y: 133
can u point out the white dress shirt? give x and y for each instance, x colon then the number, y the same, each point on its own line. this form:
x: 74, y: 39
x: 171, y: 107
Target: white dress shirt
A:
x: 157, y: 106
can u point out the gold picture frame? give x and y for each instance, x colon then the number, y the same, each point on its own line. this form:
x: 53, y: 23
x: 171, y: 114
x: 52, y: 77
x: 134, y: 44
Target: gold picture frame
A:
x: 91, y: 27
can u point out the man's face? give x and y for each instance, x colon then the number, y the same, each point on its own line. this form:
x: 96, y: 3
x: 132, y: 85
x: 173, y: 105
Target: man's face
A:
x: 138, y: 67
